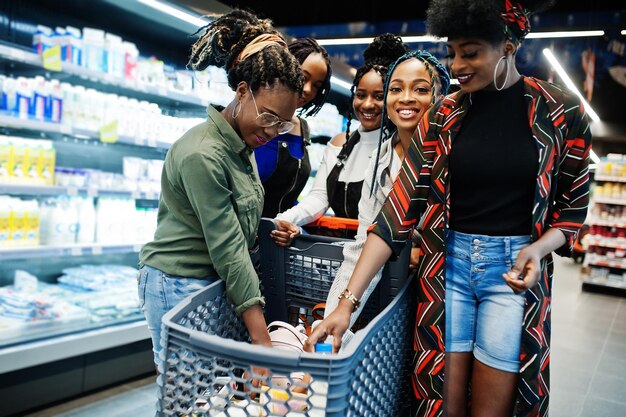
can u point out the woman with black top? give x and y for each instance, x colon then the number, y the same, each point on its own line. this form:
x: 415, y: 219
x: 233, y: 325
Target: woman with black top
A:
x: 284, y: 166
x: 339, y: 179
x: 499, y: 171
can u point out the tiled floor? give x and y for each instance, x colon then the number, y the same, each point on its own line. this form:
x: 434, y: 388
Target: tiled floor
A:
x: 588, y: 361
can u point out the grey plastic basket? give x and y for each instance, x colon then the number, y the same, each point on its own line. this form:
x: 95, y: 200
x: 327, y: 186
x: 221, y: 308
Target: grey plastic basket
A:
x: 300, y: 276
x: 207, y: 347
x: 206, y: 342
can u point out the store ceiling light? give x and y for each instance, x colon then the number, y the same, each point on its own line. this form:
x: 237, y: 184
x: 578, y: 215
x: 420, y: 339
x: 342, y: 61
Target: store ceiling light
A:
x: 623, y: 32
x: 428, y: 38
x: 565, y: 34
x: 568, y: 83
x: 340, y: 83
x: 176, y: 12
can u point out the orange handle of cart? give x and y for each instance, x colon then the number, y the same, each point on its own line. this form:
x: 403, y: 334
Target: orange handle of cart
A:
x: 336, y: 223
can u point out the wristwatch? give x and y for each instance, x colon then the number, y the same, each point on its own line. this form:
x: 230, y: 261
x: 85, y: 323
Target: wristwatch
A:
x: 350, y: 297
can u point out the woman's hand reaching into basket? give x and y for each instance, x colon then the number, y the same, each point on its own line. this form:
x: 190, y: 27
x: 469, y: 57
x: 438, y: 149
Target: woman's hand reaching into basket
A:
x: 334, y: 325
x: 285, y: 232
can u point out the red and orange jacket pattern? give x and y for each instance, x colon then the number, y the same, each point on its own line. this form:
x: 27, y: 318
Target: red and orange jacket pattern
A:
x: 563, y: 138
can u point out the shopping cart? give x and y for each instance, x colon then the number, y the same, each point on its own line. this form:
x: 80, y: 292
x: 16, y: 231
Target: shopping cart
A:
x: 210, y: 365
x: 333, y: 226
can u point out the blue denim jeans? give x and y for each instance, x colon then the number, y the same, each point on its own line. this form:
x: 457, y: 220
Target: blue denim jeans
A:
x: 159, y: 293
x: 483, y: 314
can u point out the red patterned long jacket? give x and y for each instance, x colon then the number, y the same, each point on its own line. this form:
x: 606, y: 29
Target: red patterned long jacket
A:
x: 562, y: 135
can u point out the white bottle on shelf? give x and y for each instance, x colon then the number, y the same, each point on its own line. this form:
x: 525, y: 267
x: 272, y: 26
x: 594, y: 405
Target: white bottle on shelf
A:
x: 93, y: 49
x: 55, y: 112
x: 41, y: 98
x: 32, y: 223
x: 86, y: 220
x: 115, y: 55
x: 131, y: 56
x: 10, y: 93
x: 23, y: 98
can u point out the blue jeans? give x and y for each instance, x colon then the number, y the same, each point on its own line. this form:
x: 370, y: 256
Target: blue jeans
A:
x: 483, y: 314
x: 159, y: 293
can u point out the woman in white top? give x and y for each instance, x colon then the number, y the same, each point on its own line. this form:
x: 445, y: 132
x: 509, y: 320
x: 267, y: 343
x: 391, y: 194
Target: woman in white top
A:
x: 339, y: 179
x: 413, y: 84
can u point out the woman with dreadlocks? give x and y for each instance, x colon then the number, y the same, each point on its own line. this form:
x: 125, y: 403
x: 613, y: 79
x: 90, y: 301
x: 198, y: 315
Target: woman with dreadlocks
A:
x: 500, y: 171
x: 284, y: 166
x: 339, y: 179
x: 212, y: 197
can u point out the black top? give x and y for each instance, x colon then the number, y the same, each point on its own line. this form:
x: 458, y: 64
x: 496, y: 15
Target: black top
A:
x: 344, y: 196
x: 493, y: 166
x: 284, y: 186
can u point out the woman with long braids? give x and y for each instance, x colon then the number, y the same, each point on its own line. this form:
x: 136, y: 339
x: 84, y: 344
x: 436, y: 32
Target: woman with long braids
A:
x: 283, y: 163
x: 212, y: 197
x: 499, y: 170
x: 339, y: 179
x: 414, y: 82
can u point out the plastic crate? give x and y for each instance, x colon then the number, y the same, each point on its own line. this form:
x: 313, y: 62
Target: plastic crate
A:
x: 300, y: 276
x: 206, y: 355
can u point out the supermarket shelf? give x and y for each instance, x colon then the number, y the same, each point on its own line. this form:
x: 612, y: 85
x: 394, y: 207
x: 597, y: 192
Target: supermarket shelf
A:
x: 14, y: 189
x: 609, y: 178
x: 611, y: 223
x: 606, y: 264
x: 30, y: 354
x: 604, y: 287
x: 66, y: 250
x: 104, y: 82
x: 55, y: 129
x: 607, y: 242
x: 606, y: 200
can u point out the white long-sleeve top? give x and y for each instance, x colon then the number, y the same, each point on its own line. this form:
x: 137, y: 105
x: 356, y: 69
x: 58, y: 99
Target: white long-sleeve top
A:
x: 316, y: 203
x: 369, y: 207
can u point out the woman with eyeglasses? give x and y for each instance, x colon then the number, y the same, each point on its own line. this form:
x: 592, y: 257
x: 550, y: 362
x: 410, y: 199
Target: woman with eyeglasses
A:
x: 284, y: 166
x: 211, y: 198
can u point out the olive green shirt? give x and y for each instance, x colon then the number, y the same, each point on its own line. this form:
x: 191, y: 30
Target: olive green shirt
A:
x: 209, y: 211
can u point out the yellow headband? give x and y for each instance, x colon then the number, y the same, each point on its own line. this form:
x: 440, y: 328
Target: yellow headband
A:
x: 257, y: 44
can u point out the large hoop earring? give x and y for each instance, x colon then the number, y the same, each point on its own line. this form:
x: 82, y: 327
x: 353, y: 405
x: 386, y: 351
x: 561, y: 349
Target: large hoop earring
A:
x: 495, y: 73
x: 238, y: 110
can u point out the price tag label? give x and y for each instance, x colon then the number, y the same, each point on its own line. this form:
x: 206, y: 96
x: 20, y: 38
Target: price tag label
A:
x: 139, y: 142
x: 66, y: 130
x: 135, y: 195
x: 76, y: 251
x: 92, y: 192
x: 97, y: 250
x: 162, y: 91
x: 109, y: 133
x: 152, y: 143
x: 137, y: 248
x: 72, y: 191
x: 52, y: 58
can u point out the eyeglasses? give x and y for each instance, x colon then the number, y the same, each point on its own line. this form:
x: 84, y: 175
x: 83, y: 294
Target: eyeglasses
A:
x: 266, y: 119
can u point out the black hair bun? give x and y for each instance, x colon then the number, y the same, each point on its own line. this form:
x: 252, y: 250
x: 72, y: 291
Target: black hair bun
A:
x: 385, y: 48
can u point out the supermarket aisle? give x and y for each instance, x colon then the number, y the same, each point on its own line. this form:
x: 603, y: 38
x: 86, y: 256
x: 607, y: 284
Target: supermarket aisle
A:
x: 588, y: 361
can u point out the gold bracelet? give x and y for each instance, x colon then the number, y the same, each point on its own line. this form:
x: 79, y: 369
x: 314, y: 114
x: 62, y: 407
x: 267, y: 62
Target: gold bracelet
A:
x: 350, y: 297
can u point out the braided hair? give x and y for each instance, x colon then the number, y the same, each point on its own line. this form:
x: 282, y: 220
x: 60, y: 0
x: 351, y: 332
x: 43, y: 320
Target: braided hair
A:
x: 301, y: 49
x: 476, y: 19
x: 379, y: 54
x: 439, y: 80
x: 225, y: 38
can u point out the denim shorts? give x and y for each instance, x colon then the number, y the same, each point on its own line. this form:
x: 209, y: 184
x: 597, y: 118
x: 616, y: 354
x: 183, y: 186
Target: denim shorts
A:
x: 483, y: 314
x: 159, y: 293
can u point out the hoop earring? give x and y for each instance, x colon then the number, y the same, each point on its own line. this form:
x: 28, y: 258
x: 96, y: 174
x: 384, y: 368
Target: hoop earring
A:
x: 495, y: 73
x: 238, y: 110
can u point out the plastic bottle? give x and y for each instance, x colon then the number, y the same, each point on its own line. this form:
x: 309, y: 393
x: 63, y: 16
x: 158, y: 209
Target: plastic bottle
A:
x: 41, y: 98
x: 17, y: 222
x: 131, y: 55
x: 10, y: 95
x: 93, y: 49
x: 23, y: 98
x: 5, y: 221
x: 115, y: 55
x: 320, y: 388
x: 86, y: 221
x: 32, y: 223
x: 55, y: 109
